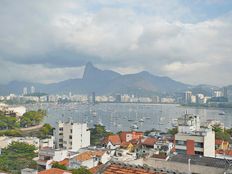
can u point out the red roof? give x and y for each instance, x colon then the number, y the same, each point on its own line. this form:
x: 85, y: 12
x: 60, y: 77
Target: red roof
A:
x: 95, y: 169
x: 114, y: 139
x: 149, y: 141
x: 54, y: 171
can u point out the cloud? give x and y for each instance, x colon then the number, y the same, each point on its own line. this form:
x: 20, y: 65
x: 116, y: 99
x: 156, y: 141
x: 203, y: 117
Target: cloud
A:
x: 174, y: 38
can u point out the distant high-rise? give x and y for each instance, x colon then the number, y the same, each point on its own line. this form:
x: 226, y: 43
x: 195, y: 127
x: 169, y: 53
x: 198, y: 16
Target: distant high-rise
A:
x: 224, y: 92
x: 93, y: 98
x: 217, y: 93
x: 25, y: 91
x: 188, y: 97
x: 118, y: 98
x: 32, y: 89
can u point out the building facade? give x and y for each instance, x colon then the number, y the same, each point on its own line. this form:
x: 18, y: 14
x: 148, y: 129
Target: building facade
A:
x: 193, y: 140
x: 71, y: 136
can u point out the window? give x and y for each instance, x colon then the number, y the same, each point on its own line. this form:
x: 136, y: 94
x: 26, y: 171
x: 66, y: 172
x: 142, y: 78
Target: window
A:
x: 198, y: 153
x: 60, y: 129
x: 61, y: 133
x: 60, y: 140
x: 200, y: 145
x: 180, y: 151
x: 180, y: 142
x: 70, y: 136
x: 70, y: 130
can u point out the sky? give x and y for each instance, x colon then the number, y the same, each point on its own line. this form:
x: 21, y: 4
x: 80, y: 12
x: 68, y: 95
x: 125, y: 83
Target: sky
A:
x: 48, y: 41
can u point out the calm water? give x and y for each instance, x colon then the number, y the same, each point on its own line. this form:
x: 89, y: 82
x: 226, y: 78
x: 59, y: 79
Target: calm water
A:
x: 115, y: 116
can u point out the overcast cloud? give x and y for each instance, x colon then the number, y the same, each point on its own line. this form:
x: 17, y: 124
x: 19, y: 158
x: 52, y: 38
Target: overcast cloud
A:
x: 49, y: 41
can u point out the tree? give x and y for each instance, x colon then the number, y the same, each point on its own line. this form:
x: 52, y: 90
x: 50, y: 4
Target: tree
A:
x: 217, y: 128
x: 81, y: 170
x: 97, y: 133
x: 32, y: 118
x: 45, y: 131
x: 173, y: 131
x: 59, y: 166
x: 17, y: 156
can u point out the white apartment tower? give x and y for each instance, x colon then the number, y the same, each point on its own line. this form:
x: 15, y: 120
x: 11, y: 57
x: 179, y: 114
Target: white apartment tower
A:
x: 71, y: 136
x: 32, y: 89
x: 25, y: 91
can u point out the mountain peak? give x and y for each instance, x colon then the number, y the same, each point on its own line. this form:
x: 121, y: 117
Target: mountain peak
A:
x: 89, y: 70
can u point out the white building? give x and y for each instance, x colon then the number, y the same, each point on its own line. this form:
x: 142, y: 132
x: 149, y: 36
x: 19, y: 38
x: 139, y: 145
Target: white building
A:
x: 25, y: 91
x: 47, y: 156
x: 188, y: 97
x: 188, y: 123
x: 32, y: 89
x: 46, y: 143
x: 5, y: 141
x: 71, y: 136
x: 193, y: 140
x: 217, y: 93
x: 17, y: 111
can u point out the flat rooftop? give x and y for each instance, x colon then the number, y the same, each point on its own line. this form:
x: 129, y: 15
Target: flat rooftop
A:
x: 202, y: 161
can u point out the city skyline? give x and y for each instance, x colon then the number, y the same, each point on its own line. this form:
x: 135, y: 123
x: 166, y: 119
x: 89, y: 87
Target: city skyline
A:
x: 188, y: 41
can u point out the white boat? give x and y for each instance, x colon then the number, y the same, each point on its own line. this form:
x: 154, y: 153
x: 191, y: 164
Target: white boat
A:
x: 141, y: 120
x: 134, y: 126
x: 221, y: 113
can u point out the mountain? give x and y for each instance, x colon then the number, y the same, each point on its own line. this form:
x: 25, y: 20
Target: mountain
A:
x: 104, y: 82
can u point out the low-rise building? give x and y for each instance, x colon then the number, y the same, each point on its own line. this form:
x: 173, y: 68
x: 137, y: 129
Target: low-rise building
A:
x: 47, y: 156
x: 112, y: 142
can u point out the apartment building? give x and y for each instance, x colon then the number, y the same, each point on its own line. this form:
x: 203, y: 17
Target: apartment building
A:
x: 71, y: 136
x: 193, y: 140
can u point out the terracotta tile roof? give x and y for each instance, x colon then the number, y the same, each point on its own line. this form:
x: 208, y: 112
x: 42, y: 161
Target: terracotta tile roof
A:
x: 95, y: 169
x: 114, y: 139
x: 65, y: 162
x: 149, y: 141
x: 54, y: 171
x: 122, y: 168
x: 89, y: 154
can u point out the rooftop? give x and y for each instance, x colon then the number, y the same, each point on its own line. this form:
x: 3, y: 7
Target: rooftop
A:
x: 200, y: 160
x: 89, y: 154
x: 54, y: 171
x: 114, y: 139
x: 122, y: 168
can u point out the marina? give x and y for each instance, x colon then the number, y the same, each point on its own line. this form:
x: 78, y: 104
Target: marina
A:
x: 119, y: 116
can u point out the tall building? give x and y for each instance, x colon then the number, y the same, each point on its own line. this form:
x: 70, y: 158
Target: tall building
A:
x: 118, y: 98
x: 32, y: 89
x: 188, y: 97
x: 71, y: 136
x: 93, y: 98
x: 25, y: 91
x: 217, y: 93
x: 193, y: 140
x: 224, y: 92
